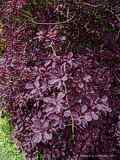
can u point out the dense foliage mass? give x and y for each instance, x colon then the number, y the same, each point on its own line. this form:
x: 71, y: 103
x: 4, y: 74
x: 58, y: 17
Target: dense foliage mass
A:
x: 61, y: 91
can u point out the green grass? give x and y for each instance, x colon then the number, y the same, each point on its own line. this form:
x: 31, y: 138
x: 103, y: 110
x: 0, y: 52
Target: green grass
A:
x: 8, y: 150
x: 40, y: 156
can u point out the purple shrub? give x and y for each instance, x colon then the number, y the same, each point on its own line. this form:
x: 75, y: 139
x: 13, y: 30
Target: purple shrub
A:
x: 58, y: 93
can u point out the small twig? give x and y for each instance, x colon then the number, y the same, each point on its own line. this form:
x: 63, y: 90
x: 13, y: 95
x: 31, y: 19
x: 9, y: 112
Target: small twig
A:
x: 73, y: 128
x: 91, y: 5
x: 52, y: 23
x: 72, y: 125
x: 51, y: 45
x: 68, y: 13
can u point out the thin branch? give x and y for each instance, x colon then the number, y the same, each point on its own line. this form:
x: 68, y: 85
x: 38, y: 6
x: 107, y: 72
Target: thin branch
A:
x: 52, y: 23
x: 73, y: 128
x: 91, y: 5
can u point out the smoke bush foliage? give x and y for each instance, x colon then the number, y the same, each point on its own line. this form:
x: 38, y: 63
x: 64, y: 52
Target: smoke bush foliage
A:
x: 54, y: 97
